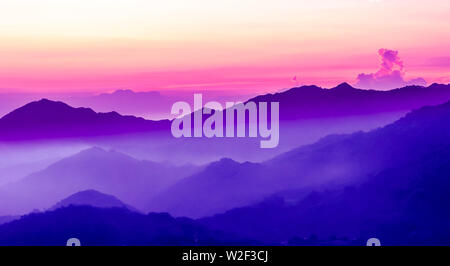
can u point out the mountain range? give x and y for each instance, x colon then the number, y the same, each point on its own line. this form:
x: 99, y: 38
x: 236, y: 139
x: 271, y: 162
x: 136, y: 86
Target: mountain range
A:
x: 50, y: 119
x: 337, y: 160
x: 131, y: 180
x: 390, y: 182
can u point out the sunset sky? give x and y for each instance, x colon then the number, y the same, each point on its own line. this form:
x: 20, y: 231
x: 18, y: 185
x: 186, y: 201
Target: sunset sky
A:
x: 236, y: 45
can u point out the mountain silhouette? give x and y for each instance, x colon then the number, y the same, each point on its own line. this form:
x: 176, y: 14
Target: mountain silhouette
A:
x: 45, y: 119
x: 92, y: 198
x: 109, y: 227
x: 111, y: 172
x: 343, y: 100
x: 343, y: 87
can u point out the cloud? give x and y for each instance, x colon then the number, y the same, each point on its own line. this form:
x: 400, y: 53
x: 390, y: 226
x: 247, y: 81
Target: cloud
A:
x: 391, y: 74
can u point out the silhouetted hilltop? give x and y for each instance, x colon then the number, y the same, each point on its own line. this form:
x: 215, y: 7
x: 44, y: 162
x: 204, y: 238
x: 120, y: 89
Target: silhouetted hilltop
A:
x: 109, y: 227
x: 92, y: 198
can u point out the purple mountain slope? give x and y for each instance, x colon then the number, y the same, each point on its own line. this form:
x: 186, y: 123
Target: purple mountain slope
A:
x: 7, y: 219
x: 407, y: 204
x: 47, y: 119
x: 92, y: 198
x: 114, y: 173
x: 334, y: 161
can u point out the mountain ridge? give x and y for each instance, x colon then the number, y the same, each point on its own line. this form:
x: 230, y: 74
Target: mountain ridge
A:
x: 46, y: 119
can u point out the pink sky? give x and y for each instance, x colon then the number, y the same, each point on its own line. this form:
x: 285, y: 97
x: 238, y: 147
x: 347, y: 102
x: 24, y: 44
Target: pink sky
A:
x: 250, y: 45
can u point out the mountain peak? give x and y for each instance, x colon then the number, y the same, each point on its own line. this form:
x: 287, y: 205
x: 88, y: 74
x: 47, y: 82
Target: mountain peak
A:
x: 100, y: 155
x: 93, y: 150
x: 92, y: 198
x: 46, y: 103
x: 223, y: 164
x: 227, y: 161
x: 45, y: 109
x: 343, y: 86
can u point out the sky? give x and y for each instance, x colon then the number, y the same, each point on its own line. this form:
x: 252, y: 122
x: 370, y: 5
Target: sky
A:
x: 236, y: 45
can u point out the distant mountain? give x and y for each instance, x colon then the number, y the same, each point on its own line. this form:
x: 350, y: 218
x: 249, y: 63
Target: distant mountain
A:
x: 47, y: 119
x: 109, y: 227
x: 148, y: 104
x: 114, y: 173
x: 92, y: 198
x: 334, y: 161
x: 295, y: 103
